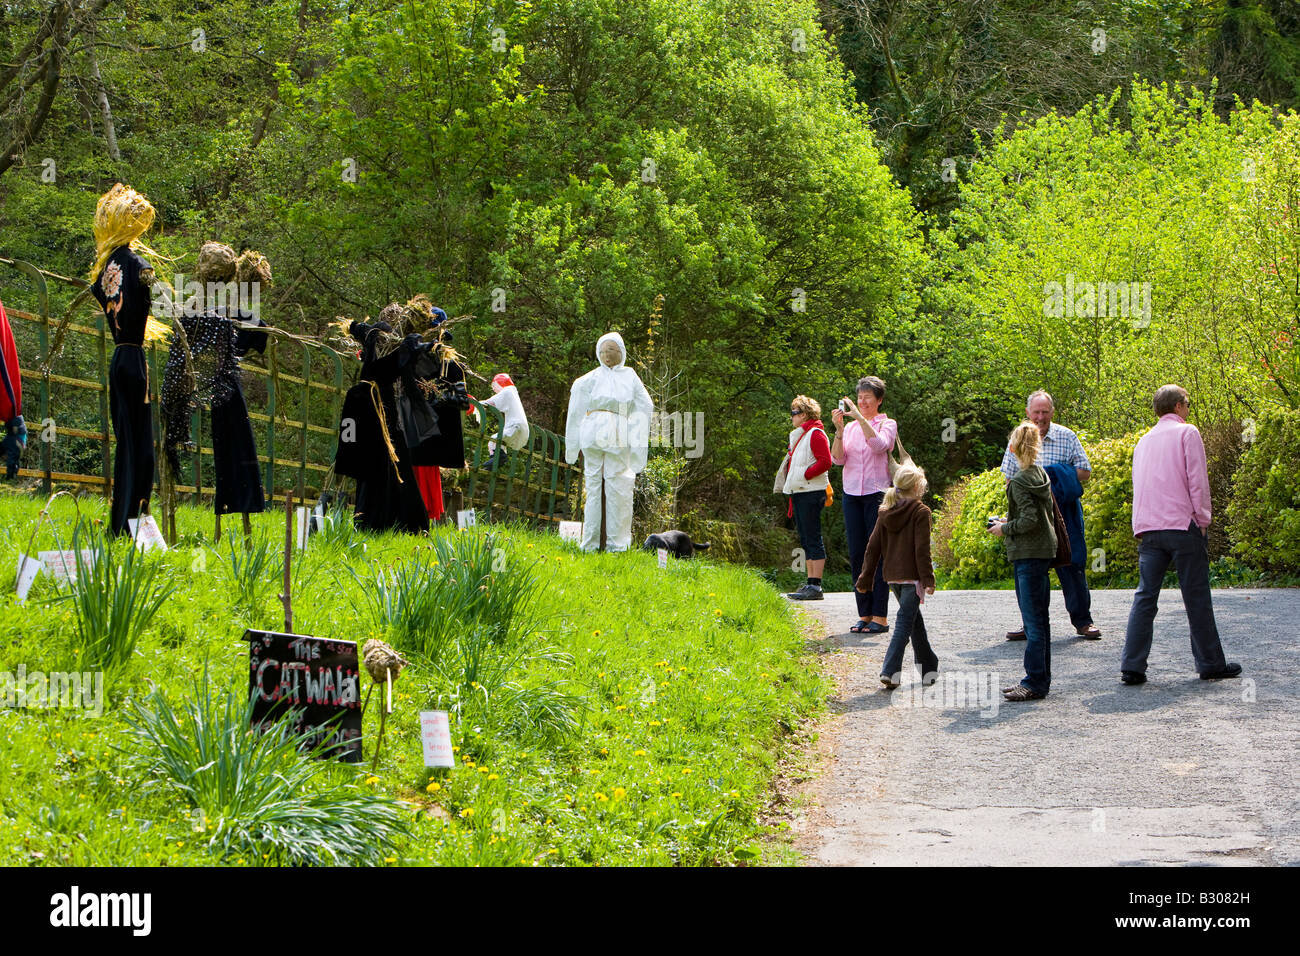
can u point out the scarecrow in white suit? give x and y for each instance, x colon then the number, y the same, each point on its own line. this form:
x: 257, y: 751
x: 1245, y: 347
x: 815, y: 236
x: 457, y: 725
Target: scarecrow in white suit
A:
x: 609, y: 422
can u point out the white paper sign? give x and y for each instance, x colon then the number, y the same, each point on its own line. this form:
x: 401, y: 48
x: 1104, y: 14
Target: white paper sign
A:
x: 663, y: 557
x: 302, y: 526
x: 435, y: 737
x: 571, y: 531
x: 146, y: 534
x: 465, y: 519
x: 28, y: 568
x: 62, y: 565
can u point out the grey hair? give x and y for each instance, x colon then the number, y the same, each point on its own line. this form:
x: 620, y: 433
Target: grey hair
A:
x: 1039, y: 394
x: 1167, y: 398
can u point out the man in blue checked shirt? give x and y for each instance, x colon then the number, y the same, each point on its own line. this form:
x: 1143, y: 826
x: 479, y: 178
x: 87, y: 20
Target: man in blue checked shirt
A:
x: 1062, y: 449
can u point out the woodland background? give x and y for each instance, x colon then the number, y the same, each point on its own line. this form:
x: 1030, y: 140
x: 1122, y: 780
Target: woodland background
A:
x: 817, y: 191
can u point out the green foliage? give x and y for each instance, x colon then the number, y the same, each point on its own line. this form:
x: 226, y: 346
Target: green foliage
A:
x: 1108, y: 505
x: 257, y: 793
x: 463, y: 583
x: 683, y: 718
x: 256, y: 565
x: 1264, y: 512
x: 971, y: 556
x: 114, y: 599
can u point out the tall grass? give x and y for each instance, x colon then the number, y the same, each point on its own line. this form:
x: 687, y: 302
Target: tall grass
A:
x: 259, y: 794
x: 255, y: 569
x: 114, y: 598
x: 461, y: 584
x: 486, y: 689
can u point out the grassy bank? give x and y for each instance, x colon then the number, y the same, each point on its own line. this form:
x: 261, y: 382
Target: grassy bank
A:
x: 604, y: 711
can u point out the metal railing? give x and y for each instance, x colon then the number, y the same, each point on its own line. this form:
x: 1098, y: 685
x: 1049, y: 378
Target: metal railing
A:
x: 297, y: 379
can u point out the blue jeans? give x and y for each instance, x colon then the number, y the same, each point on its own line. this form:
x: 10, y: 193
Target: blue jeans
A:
x: 1033, y: 590
x: 908, y: 625
x: 808, y: 507
x: 1188, y: 552
x: 860, y: 512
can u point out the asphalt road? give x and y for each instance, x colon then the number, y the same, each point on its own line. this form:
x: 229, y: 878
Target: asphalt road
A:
x: 1174, y: 771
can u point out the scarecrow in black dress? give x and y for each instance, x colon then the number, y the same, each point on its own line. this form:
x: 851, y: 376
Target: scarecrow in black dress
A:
x: 372, y: 445
x: 203, y: 368
x: 122, y: 283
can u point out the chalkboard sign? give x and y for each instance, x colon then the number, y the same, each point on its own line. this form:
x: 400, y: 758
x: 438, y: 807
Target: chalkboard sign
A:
x: 317, y: 678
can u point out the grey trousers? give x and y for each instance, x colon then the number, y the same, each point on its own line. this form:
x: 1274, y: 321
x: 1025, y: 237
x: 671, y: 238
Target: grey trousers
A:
x: 1187, y: 550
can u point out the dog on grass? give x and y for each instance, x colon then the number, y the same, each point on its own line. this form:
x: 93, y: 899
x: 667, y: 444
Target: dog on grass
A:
x: 677, y: 543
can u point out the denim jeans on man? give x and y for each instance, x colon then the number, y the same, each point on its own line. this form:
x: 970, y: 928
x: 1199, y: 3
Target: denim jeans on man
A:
x: 1033, y: 592
x: 908, y: 625
x: 1188, y: 551
x: 1074, y: 588
x: 860, y: 513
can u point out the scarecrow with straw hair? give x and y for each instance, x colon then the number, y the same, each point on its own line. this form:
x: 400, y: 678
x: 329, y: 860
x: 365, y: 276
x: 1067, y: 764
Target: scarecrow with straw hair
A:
x: 122, y: 281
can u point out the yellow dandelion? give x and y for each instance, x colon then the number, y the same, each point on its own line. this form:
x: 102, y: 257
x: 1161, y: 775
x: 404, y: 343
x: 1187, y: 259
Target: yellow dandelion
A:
x: 371, y: 781
x: 390, y: 859
x: 677, y: 794
x: 493, y: 776
x: 654, y: 723
x: 601, y: 797
x: 604, y: 751
x: 619, y: 793
x: 482, y: 769
x: 433, y: 787
x: 621, y: 707
x: 687, y: 770
x: 467, y: 812
x: 638, y: 753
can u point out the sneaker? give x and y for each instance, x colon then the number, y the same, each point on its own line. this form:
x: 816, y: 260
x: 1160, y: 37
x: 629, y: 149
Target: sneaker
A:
x: 1230, y: 669
x: 889, y: 682
x: 1132, y: 677
x: 809, y: 592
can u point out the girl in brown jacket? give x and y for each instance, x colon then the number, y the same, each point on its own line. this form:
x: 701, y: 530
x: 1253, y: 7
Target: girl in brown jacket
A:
x: 901, y: 543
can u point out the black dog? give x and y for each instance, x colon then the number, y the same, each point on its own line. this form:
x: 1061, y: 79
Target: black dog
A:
x: 678, y: 544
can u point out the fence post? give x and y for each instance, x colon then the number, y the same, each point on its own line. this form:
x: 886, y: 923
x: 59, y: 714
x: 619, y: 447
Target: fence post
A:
x: 102, y: 326
x: 304, y: 415
x: 270, y: 414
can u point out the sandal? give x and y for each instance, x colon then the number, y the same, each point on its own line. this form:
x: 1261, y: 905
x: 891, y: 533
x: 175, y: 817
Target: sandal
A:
x: 875, y: 627
x: 1021, y: 693
x: 859, y: 628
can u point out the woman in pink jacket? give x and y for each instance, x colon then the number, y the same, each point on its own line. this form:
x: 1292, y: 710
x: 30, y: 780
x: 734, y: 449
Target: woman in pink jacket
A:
x: 862, y: 446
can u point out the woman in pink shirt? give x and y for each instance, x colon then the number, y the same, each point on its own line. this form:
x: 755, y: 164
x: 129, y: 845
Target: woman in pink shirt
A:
x: 862, y: 446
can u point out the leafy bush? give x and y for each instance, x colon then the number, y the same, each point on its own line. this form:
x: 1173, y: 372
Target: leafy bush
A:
x: 971, y: 556
x: 1264, y: 512
x: 1108, y: 505
x: 114, y: 599
x: 258, y: 792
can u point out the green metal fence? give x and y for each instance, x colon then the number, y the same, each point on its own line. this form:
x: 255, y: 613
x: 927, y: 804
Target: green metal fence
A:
x: 295, y: 395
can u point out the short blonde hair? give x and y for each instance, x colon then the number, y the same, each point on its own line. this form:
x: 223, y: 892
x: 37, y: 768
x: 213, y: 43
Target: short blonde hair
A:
x: 808, y: 405
x: 1025, y: 443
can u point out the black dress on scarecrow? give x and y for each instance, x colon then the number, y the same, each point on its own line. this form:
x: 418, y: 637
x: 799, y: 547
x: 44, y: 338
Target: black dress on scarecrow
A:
x: 238, y: 476
x: 122, y: 289
x: 372, y: 448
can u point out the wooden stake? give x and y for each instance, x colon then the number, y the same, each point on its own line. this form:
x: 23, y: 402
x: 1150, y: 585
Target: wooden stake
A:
x: 286, y: 598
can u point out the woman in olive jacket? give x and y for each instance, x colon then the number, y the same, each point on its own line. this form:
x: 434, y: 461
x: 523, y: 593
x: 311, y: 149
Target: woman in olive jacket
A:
x: 1030, y: 534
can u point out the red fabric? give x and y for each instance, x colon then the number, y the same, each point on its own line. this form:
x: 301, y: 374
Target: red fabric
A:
x: 502, y: 379
x: 429, y: 480
x: 821, y: 449
x: 10, y: 381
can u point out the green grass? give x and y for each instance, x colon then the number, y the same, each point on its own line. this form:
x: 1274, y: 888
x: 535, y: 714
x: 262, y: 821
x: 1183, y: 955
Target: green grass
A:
x: 604, y: 711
